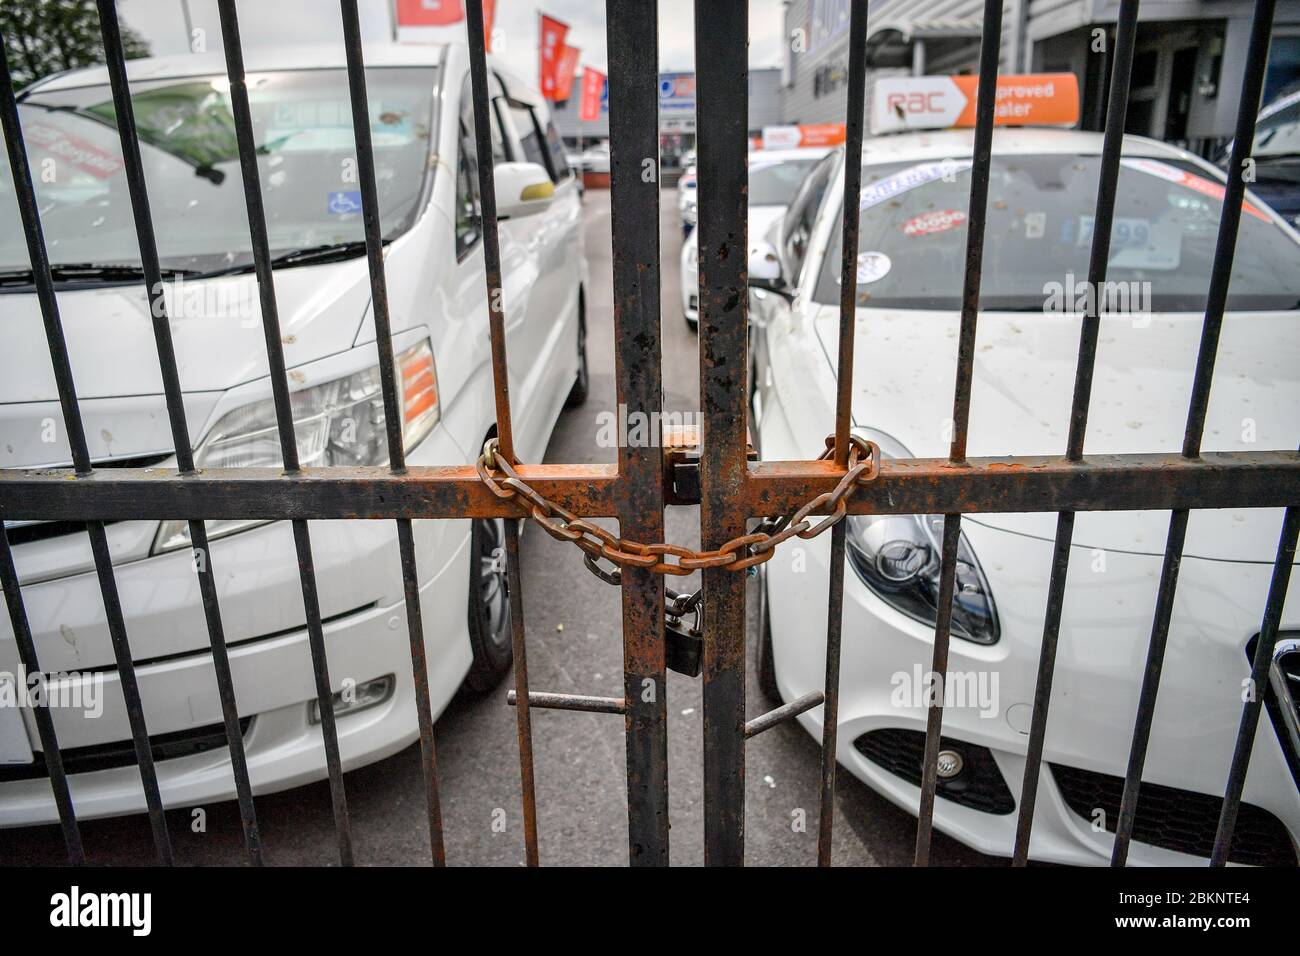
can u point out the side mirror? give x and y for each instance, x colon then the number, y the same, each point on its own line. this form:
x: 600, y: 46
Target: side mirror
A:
x: 765, y: 268
x: 523, y: 189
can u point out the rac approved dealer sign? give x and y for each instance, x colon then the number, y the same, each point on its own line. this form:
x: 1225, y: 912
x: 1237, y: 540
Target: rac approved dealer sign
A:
x: 941, y: 102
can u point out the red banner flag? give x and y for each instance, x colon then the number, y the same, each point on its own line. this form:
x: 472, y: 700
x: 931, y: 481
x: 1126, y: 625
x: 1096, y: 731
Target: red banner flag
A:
x: 568, y: 65
x: 550, y: 42
x: 593, y: 86
x: 429, y: 13
x: 489, y: 15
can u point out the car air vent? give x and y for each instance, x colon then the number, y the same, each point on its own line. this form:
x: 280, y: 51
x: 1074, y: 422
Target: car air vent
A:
x: 977, y: 783
x: 121, y: 753
x: 1176, y: 819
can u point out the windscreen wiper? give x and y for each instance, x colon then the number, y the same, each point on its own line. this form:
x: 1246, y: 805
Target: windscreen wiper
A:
x: 328, y: 252
x: 87, y: 272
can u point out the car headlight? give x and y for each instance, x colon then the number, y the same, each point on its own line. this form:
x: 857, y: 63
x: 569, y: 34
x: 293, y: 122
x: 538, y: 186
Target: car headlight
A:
x: 899, y: 558
x: 336, y: 423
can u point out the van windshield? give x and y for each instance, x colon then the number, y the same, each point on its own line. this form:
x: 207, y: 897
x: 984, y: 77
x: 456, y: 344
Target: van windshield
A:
x: 302, y: 125
x: 912, y: 238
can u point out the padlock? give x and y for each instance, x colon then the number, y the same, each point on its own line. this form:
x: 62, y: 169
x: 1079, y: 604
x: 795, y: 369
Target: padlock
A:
x: 683, y: 647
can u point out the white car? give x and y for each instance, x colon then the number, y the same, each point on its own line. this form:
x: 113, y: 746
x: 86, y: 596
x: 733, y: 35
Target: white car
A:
x: 774, y: 178
x: 427, y: 182
x: 688, y: 197
x: 595, y: 159
x: 1042, y: 198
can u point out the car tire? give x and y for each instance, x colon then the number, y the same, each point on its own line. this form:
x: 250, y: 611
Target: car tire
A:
x: 489, y: 606
x: 765, y: 662
x: 581, y: 384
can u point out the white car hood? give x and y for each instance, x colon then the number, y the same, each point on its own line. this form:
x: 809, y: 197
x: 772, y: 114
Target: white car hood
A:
x: 216, y: 327
x: 905, y: 366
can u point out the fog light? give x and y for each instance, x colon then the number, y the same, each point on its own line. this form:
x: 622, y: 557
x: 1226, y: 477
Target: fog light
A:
x: 950, y: 764
x: 354, y: 698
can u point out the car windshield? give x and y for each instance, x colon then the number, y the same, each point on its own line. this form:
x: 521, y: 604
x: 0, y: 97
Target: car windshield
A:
x: 302, y: 125
x: 912, y: 239
x: 1278, y: 134
x: 773, y: 183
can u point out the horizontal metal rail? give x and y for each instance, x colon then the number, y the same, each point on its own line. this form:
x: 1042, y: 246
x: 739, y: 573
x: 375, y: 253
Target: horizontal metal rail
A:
x: 1254, y: 479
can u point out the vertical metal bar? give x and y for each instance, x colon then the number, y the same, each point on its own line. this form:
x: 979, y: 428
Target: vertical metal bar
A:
x: 939, y: 680
x: 44, y: 723
x: 202, y: 556
x: 1225, y: 249
x: 488, y: 208
x: 1155, y: 663
x: 393, y: 415
x: 632, y: 30
x: 843, y: 415
x: 30, y: 215
x: 857, y: 94
x: 1220, y: 277
x: 1264, y: 645
x: 722, y: 72
x: 1107, y: 188
x: 243, y: 120
x: 976, y: 217
x: 523, y: 712
x: 130, y: 689
x: 501, y: 383
x: 28, y: 210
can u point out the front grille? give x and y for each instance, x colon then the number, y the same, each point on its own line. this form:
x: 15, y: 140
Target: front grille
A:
x: 980, y: 784
x: 121, y: 753
x: 1175, y: 819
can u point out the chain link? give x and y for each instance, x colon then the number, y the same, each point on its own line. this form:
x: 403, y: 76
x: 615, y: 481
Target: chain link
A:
x: 738, y: 554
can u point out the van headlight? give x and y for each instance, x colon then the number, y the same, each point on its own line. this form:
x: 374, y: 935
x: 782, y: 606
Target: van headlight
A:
x: 336, y: 423
x: 899, y: 557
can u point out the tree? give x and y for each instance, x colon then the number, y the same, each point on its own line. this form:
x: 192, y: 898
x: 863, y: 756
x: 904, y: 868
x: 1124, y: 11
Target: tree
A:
x: 46, y: 36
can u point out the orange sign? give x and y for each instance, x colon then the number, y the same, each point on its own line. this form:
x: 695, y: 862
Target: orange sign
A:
x: 429, y: 13
x: 808, y: 134
x: 939, y: 102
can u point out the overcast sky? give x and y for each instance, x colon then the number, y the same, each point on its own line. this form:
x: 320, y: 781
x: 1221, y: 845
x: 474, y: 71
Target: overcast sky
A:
x: 162, y: 24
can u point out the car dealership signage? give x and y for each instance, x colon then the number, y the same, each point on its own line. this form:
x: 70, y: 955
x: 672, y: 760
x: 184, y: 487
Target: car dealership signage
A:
x: 941, y: 102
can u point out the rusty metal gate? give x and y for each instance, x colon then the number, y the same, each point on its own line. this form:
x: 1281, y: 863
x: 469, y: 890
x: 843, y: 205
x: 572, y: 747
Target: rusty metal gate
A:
x: 731, y: 489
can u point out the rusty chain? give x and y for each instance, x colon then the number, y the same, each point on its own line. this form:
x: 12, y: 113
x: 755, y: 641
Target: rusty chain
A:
x: 738, y: 554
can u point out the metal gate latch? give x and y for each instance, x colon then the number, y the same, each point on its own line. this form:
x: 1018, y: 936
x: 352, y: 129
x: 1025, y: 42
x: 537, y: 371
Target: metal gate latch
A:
x: 681, y: 454
x: 683, y: 645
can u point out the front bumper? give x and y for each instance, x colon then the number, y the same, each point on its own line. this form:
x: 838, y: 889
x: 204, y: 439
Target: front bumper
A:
x: 1105, y: 631
x: 366, y: 638
x: 273, y: 686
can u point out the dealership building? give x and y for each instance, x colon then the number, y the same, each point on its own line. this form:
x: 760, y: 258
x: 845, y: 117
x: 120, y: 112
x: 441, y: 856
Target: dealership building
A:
x: 1187, y: 67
